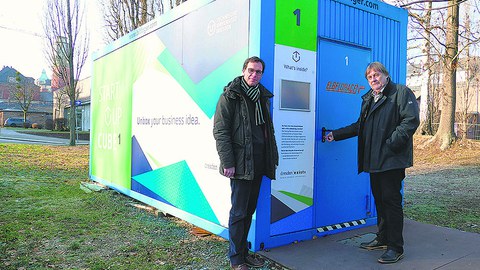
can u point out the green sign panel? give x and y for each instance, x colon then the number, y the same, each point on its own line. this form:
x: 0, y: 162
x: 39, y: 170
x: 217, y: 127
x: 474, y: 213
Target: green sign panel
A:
x: 114, y: 76
x: 296, y: 23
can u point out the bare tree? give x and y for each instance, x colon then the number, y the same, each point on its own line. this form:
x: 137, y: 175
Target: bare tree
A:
x: 22, y: 92
x: 421, y: 30
x: 67, y: 48
x: 470, y: 70
x: 443, y: 32
x: 434, y: 94
x: 466, y: 93
x: 124, y: 16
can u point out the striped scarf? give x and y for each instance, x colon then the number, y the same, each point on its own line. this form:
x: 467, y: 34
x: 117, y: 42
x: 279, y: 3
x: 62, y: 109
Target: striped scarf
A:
x: 253, y: 92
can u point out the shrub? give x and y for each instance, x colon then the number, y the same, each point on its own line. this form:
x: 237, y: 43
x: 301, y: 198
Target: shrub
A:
x: 49, y: 124
x: 37, y: 126
x: 60, y: 124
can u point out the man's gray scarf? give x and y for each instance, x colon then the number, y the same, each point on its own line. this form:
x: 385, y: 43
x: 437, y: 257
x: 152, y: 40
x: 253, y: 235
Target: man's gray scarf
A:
x: 253, y: 92
x: 377, y: 97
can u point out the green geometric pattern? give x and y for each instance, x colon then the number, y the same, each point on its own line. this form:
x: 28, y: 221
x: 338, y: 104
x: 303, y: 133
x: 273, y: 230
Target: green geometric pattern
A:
x: 303, y: 199
x: 177, y: 185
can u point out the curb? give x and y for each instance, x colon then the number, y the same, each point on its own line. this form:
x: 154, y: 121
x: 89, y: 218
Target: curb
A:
x: 43, y: 141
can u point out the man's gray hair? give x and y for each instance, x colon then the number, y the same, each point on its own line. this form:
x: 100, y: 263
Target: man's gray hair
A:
x: 377, y: 66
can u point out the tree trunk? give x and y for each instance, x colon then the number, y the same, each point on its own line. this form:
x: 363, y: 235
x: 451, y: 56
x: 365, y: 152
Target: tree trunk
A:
x: 72, y: 119
x: 426, y: 99
x: 445, y: 133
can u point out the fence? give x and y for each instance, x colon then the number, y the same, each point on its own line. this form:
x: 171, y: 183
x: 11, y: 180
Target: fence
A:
x: 472, y: 130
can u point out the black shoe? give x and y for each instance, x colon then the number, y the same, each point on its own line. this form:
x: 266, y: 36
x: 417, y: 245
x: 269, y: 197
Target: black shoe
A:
x: 373, y: 245
x: 390, y: 256
x: 253, y: 260
x: 240, y: 267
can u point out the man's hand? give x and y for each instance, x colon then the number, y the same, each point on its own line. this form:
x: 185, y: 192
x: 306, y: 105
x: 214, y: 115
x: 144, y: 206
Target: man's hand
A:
x: 229, y: 172
x: 329, y: 137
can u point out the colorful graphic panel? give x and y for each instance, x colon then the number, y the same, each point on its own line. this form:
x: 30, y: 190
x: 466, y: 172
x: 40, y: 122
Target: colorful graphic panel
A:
x: 162, y: 97
x: 294, y: 113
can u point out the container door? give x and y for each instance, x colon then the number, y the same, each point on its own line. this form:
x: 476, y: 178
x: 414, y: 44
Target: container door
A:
x: 341, y: 195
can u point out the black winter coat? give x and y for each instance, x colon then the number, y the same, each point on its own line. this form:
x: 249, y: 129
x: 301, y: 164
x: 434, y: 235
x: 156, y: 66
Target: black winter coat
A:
x: 233, y: 133
x: 385, y: 130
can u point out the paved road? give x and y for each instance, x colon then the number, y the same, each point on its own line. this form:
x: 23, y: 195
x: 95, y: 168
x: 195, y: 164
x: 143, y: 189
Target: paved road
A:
x: 11, y: 136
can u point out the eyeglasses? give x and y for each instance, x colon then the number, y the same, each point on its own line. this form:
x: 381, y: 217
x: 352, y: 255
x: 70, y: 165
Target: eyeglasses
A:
x: 251, y: 71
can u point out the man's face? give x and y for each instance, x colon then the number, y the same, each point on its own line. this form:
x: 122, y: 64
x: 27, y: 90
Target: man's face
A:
x: 376, y: 79
x: 253, y: 73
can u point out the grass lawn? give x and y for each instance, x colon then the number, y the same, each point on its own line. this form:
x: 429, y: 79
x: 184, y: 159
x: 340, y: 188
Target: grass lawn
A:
x: 48, y: 222
x: 443, y: 187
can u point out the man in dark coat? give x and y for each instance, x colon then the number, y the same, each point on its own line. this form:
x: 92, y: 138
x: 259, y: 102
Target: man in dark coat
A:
x: 388, y: 119
x: 246, y: 145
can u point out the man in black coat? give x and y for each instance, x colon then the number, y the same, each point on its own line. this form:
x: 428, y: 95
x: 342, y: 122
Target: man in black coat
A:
x: 388, y: 119
x: 246, y: 146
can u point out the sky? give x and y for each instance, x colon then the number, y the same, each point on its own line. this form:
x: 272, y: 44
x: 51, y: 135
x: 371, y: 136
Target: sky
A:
x: 20, y: 45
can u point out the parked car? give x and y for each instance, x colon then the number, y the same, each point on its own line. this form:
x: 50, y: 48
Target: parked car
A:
x: 17, y: 122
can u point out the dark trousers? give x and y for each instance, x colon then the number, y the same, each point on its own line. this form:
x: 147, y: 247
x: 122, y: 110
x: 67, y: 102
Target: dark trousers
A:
x: 244, y: 202
x: 386, y: 188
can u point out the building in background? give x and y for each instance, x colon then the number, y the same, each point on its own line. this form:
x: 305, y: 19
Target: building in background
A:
x: 61, y: 106
x: 45, y: 85
x: 61, y: 99
x: 57, y: 81
x: 8, y: 81
x: 40, y: 109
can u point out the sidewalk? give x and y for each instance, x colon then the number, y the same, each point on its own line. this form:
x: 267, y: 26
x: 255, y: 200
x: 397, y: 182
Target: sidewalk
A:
x: 426, y: 247
x: 11, y: 136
